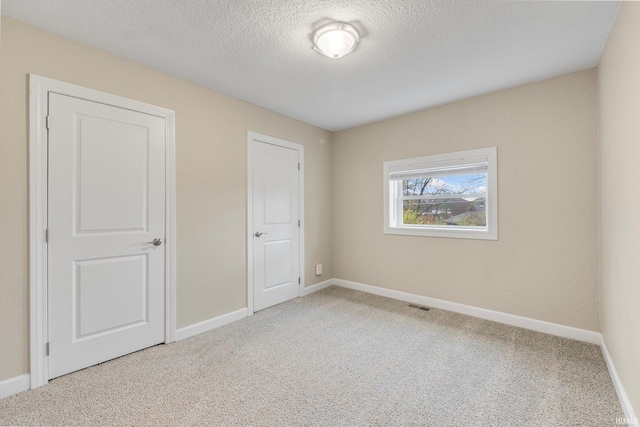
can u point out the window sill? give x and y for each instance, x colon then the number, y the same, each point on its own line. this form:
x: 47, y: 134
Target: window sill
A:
x: 457, y: 233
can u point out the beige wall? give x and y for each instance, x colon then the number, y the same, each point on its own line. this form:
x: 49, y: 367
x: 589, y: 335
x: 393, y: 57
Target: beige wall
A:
x: 545, y: 263
x: 211, y: 145
x: 619, y: 92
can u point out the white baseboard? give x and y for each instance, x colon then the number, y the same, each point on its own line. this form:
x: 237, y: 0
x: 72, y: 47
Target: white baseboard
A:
x: 622, y: 395
x: 315, y: 288
x: 225, y: 319
x: 210, y: 324
x: 15, y: 385
x: 496, y: 316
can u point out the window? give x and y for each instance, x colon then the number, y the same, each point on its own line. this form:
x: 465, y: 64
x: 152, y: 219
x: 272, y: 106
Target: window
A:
x: 446, y: 195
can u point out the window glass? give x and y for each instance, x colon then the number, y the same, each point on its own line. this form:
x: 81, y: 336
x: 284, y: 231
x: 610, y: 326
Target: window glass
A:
x: 461, y: 201
x: 444, y: 195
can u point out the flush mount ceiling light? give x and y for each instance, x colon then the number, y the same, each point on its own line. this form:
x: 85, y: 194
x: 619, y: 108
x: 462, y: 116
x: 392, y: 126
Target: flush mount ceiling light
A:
x: 335, y: 40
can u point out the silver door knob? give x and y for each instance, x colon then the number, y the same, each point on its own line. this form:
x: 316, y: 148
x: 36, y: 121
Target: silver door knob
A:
x: 156, y: 242
x: 258, y: 234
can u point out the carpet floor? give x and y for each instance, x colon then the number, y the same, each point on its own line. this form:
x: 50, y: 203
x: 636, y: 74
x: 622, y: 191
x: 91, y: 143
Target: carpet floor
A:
x: 338, y: 358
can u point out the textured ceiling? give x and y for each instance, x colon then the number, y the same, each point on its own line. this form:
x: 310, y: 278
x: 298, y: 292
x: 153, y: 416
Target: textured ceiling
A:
x: 413, y: 54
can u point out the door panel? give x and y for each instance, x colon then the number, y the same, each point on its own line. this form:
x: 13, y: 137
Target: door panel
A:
x: 119, y: 203
x: 276, y: 251
x: 277, y: 186
x: 277, y: 261
x: 106, y: 203
x: 109, y: 294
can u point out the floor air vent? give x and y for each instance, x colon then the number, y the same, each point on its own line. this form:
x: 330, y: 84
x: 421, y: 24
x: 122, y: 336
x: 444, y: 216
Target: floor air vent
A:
x: 419, y: 307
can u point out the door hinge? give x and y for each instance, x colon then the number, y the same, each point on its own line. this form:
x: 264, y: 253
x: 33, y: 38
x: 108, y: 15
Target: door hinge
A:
x: 47, y: 349
x: 298, y: 166
x: 46, y: 235
x: 298, y: 280
x: 48, y: 123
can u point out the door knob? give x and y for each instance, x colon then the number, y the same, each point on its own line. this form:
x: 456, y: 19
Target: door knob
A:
x: 258, y: 234
x: 156, y: 242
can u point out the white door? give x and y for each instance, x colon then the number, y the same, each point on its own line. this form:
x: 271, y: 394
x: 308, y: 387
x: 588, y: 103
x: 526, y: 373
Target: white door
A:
x: 276, y: 224
x: 106, y: 202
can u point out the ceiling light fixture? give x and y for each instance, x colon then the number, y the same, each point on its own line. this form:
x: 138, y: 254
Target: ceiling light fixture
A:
x: 335, y: 40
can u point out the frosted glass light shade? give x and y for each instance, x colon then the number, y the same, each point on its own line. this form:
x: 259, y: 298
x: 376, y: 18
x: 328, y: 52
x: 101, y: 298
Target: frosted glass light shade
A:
x: 335, y: 40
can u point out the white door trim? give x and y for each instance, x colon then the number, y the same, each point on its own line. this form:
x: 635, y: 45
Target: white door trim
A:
x: 251, y: 137
x: 39, y: 87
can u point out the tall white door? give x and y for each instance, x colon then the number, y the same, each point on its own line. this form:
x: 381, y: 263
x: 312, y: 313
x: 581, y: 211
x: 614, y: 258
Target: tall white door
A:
x: 106, y: 200
x: 276, y: 226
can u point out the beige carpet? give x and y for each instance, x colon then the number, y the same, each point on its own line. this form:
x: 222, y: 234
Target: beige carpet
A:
x: 338, y: 358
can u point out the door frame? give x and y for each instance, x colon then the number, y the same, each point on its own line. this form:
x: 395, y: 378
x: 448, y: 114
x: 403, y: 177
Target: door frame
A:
x: 256, y: 137
x: 39, y: 88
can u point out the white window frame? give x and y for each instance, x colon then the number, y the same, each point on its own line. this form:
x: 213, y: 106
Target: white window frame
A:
x: 393, y: 202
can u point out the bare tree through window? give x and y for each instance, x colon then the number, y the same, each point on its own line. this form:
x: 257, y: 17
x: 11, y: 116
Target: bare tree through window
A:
x: 425, y: 200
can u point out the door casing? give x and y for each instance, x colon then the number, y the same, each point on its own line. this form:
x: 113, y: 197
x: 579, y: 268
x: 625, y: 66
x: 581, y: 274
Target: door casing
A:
x: 39, y: 88
x: 251, y: 137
